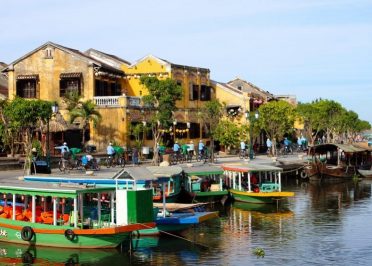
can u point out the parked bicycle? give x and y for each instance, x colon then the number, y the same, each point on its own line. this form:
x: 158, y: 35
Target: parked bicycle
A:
x: 115, y: 160
x: 244, y: 154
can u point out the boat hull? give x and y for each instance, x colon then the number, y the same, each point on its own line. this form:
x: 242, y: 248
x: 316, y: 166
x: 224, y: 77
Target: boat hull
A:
x: 259, y: 197
x: 209, y: 196
x: 365, y: 173
x: 54, y: 236
x: 178, y: 222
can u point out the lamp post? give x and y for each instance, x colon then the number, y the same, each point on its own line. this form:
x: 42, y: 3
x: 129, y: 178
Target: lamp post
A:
x: 174, y: 130
x: 252, y: 118
x: 54, y: 111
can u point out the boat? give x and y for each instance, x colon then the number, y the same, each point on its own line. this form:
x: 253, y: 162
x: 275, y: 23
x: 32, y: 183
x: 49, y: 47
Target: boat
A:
x: 174, y: 218
x: 365, y: 173
x: 330, y: 161
x: 70, y: 215
x: 255, y: 183
x: 139, y: 177
x: 205, y: 183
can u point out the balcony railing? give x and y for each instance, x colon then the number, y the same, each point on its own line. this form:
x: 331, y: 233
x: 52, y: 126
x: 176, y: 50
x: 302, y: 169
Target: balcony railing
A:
x: 134, y: 101
x: 112, y: 101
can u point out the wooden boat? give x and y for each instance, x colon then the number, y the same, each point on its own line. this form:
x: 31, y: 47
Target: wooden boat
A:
x: 53, y: 215
x: 255, y: 183
x: 139, y: 177
x: 174, y: 218
x: 365, y: 173
x: 205, y: 183
x: 333, y: 161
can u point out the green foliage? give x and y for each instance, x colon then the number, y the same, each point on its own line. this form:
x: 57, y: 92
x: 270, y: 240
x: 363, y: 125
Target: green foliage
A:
x: 227, y: 133
x: 161, y: 103
x: 259, y: 252
x: 276, y: 119
x: 87, y: 114
x: 162, y: 97
x: 72, y: 100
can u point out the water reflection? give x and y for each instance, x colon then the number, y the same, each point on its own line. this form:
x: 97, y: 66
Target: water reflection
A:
x: 27, y: 255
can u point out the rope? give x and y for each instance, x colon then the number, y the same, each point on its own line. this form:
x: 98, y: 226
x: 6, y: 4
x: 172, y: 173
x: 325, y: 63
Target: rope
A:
x: 180, y: 237
x: 289, y: 171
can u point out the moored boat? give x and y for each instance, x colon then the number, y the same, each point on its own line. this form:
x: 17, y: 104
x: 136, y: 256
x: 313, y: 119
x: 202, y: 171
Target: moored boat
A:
x: 205, y: 183
x: 365, y: 173
x: 71, y: 216
x: 330, y: 161
x: 255, y: 183
x: 139, y: 177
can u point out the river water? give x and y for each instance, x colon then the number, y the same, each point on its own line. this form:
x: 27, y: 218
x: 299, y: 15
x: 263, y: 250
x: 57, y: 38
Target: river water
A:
x: 324, y: 224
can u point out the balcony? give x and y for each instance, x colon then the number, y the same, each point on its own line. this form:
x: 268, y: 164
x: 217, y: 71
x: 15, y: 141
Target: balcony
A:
x: 107, y: 101
x: 117, y: 101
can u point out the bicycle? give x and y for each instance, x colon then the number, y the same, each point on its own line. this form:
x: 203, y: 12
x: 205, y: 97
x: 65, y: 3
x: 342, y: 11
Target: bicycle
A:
x: 243, y: 154
x: 65, y: 165
x: 113, y: 161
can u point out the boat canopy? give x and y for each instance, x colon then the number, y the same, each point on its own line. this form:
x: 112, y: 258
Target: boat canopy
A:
x: 48, y: 189
x: 246, y: 168
x: 150, y: 172
x: 202, y: 170
x: 324, y: 148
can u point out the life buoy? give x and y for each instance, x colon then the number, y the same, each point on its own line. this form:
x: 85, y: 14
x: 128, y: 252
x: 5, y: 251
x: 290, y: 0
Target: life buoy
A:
x: 70, y: 235
x: 27, y: 258
x: 303, y: 174
x: 27, y: 233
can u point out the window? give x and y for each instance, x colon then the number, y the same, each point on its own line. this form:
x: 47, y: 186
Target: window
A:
x: 69, y: 85
x: 205, y: 93
x: 194, y: 131
x: 194, y: 92
x: 26, y: 88
x: 48, y: 53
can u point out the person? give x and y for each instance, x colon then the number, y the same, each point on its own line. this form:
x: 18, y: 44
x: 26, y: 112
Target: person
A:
x: 269, y: 145
x: 135, y: 156
x: 64, y: 147
x: 299, y: 143
x: 191, y: 148
x: 176, y: 147
x: 303, y: 142
x: 242, y: 146
x: 184, y: 149
x: 110, y: 150
x: 201, y: 147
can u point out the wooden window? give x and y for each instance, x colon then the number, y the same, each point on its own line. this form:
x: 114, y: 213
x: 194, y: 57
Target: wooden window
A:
x: 69, y: 85
x: 205, y: 93
x: 194, y: 131
x: 26, y: 88
x: 194, y: 92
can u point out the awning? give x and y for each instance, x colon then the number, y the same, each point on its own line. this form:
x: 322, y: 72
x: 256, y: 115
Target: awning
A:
x: 70, y: 75
x: 29, y: 76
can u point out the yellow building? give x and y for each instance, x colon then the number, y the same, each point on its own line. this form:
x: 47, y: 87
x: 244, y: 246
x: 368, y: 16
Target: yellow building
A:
x: 196, y: 91
x: 51, y: 70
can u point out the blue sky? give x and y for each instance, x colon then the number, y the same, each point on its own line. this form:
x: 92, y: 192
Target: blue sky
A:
x: 311, y: 49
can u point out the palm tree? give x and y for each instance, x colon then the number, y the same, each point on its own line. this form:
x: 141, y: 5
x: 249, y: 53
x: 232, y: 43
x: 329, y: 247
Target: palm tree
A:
x: 87, y: 113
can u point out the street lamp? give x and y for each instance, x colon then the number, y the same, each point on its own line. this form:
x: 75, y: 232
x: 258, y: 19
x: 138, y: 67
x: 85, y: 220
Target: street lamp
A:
x: 174, y: 129
x: 54, y: 111
x: 252, y: 118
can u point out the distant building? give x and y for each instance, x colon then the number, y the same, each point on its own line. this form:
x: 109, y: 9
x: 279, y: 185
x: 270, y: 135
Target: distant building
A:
x: 3, y: 82
x: 292, y: 99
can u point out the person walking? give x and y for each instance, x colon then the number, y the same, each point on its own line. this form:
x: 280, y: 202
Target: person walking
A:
x: 269, y: 145
x: 201, y: 147
x: 135, y: 156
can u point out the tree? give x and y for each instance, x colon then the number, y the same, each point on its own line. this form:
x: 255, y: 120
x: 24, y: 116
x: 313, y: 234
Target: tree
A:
x: 227, y: 133
x: 86, y: 112
x: 276, y: 119
x: 27, y: 116
x: 211, y: 114
x: 161, y: 105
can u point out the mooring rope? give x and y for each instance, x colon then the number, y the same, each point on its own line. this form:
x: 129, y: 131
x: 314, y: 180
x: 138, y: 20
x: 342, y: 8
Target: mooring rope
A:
x: 180, y: 237
x: 293, y: 170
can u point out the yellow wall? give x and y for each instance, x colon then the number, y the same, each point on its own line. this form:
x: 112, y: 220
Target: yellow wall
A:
x: 49, y: 70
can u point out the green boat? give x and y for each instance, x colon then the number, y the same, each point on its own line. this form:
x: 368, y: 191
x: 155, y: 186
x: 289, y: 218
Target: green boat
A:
x: 205, y: 183
x: 255, y: 183
x: 71, y: 216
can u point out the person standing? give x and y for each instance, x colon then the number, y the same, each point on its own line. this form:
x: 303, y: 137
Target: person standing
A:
x: 110, y: 150
x: 191, y: 148
x: 269, y: 145
x: 135, y: 156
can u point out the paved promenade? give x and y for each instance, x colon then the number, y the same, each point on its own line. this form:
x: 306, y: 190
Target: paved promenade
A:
x: 109, y: 172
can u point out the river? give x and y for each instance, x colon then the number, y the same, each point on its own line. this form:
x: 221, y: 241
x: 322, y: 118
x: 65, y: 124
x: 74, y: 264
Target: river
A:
x: 324, y: 224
